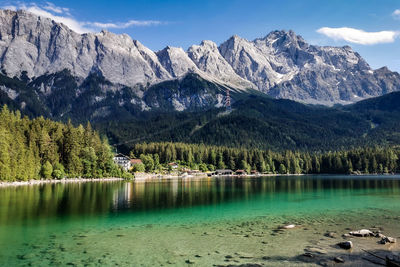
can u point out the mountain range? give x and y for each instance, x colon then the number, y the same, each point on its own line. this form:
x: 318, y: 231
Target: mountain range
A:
x: 99, y: 70
x: 133, y: 94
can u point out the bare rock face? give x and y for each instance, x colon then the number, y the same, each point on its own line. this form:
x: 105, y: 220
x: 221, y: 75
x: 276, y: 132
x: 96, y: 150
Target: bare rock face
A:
x: 207, y: 58
x: 39, y: 45
x: 176, y: 61
x: 282, y: 64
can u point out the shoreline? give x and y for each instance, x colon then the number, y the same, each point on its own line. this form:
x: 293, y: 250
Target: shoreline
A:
x: 150, y: 177
x: 56, y: 181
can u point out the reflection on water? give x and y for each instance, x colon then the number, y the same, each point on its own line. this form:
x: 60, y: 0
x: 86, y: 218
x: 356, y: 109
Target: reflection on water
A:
x: 25, y: 203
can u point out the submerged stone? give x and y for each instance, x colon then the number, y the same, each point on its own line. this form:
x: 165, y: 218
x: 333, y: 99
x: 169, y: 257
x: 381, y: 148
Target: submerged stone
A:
x: 345, y: 244
x: 331, y: 234
x: 362, y: 233
x: 316, y: 250
x: 289, y: 226
x: 339, y: 259
x: 387, y: 239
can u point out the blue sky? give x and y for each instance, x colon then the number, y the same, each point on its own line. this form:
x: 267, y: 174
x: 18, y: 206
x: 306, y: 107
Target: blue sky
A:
x: 371, y: 27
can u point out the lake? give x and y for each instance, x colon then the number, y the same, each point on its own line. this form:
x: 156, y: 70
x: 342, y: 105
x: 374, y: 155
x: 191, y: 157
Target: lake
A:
x: 199, y: 221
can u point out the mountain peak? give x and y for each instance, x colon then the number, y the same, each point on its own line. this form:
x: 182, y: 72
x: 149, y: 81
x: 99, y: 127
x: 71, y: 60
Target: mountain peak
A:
x: 209, y: 44
x: 176, y: 61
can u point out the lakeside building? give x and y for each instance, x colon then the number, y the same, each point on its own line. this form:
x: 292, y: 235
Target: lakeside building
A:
x: 223, y: 172
x: 123, y: 161
x: 241, y: 172
x: 135, y: 162
x: 173, y: 165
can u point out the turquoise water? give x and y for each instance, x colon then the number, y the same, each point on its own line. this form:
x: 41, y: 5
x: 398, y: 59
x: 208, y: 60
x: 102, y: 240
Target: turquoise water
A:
x: 169, y: 221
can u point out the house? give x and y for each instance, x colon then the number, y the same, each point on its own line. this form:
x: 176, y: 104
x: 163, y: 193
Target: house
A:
x: 123, y: 161
x: 173, y: 165
x: 136, y: 161
x: 240, y: 172
x: 254, y: 172
x: 223, y: 172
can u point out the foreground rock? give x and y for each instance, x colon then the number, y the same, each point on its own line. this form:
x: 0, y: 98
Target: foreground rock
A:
x: 316, y: 250
x: 362, y: 233
x: 339, y: 259
x: 345, y: 244
x: 387, y: 239
x: 289, y: 226
x: 331, y: 234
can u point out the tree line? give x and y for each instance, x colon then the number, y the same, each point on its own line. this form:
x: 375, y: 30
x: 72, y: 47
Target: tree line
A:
x: 208, y: 158
x: 41, y: 148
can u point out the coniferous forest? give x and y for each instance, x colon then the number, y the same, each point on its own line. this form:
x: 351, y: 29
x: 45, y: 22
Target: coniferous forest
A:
x: 208, y: 158
x: 41, y: 148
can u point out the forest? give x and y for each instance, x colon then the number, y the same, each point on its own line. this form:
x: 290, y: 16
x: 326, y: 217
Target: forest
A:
x: 366, y: 160
x: 41, y: 148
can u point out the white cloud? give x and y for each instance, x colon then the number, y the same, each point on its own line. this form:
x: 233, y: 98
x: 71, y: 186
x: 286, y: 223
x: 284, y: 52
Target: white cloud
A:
x: 124, y: 24
x: 62, y: 15
x: 56, y: 9
x: 396, y: 14
x: 70, y: 22
x: 359, y: 36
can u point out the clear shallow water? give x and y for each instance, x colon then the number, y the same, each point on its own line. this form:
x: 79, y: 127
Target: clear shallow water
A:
x: 172, y: 221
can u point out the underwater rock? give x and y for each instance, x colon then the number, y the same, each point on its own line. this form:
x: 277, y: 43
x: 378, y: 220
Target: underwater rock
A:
x: 308, y: 255
x: 331, y: 234
x: 289, y: 226
x: 26, y: 256
x: 387, y: 239
x: 362, y: 233
x: 345, y: 244
x: 316, y: 250
x: 339, y: 259
x: 379, y: 235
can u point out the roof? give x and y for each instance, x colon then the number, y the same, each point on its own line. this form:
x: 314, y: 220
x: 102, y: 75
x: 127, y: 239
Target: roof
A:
x: 120, y: 155
x: 136, y: 161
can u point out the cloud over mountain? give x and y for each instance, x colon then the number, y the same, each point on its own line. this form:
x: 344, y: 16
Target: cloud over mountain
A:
x: 63, y: 15
x: 359, y: 36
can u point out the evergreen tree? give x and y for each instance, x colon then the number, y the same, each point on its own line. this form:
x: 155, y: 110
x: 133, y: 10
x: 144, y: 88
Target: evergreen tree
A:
x: 47, y: 170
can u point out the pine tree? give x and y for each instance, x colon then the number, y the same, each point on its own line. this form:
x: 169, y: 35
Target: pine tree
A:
x: 5, y: 160
x: 47, y: 170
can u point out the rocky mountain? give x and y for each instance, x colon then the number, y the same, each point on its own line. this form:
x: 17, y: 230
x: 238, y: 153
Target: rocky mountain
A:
x: 108, y: 74
x: 283, y: 65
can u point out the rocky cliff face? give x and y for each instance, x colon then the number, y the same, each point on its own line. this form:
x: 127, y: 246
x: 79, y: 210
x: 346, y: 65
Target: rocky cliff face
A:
x: 281, y: 65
